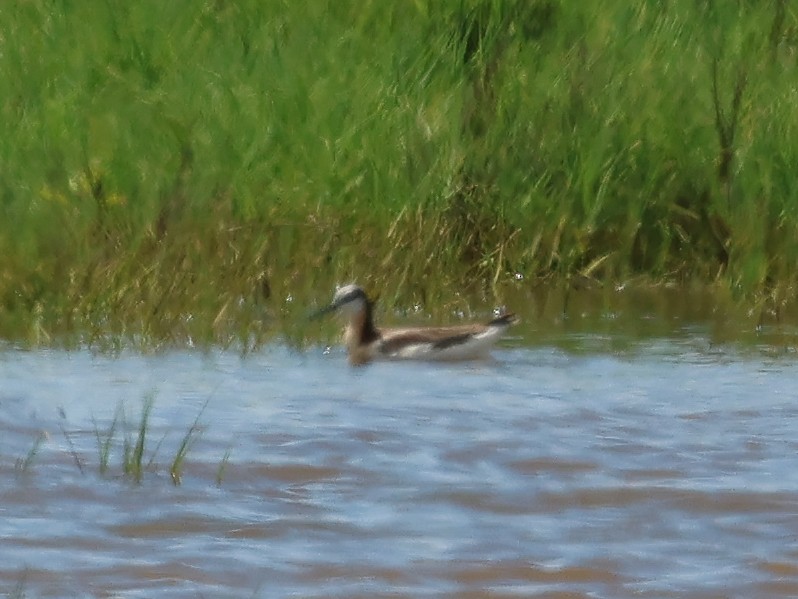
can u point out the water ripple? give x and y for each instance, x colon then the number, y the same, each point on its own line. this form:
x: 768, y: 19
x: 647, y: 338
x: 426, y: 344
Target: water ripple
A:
x: 664, y: 472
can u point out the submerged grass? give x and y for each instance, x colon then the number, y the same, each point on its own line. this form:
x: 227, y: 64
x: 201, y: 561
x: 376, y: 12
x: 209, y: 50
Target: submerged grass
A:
x: 197, y: 173
x: 19, y: 590
x: 24, y: 464
x: 71, y: 445
x: 220, y: 472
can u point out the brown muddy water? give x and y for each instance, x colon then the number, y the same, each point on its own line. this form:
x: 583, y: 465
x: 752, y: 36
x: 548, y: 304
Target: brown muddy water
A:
x: 581, y: 466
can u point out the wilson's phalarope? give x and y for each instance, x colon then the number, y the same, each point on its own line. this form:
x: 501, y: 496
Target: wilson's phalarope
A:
x: 365, y: 342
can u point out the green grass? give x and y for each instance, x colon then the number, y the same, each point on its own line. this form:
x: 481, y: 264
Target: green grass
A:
x: 133, y: 452
x: 176, y: 469
x: 105, y: 441
x: 198, y: 173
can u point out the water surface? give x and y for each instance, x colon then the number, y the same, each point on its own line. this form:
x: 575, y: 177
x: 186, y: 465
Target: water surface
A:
x: 666, y: 468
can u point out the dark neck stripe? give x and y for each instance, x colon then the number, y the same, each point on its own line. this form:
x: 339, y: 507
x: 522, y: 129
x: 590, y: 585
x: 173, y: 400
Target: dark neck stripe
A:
x: 369, y: 332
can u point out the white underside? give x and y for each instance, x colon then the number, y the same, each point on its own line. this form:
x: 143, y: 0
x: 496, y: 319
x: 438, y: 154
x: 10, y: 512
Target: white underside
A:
x: 474, y: 348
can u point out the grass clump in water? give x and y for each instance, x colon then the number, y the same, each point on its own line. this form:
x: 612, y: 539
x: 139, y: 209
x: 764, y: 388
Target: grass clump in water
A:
x: 133, y: 448
x: 134, y: 444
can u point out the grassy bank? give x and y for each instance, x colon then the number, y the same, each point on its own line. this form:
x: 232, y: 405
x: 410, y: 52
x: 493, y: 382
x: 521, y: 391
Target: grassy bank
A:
x: 173, y: 170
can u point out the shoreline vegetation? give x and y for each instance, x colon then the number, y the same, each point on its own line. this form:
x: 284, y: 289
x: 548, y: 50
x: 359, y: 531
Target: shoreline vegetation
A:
x: 210, y: 171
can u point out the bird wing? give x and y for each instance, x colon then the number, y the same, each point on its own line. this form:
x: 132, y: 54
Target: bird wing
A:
x: 395, y: 339
x: 442, y: 340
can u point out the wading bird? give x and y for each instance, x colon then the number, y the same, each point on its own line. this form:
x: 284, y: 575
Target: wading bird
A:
x: 365, y: 342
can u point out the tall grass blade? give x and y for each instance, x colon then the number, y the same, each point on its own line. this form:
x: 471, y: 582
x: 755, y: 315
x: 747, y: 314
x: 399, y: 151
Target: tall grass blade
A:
x: 72, y: 451
x: 23, y: 465
x: 137, y: 454
x: 176, y: 470
x: 222, y: 467
x: 105, y: 441
x: 68, y: 438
